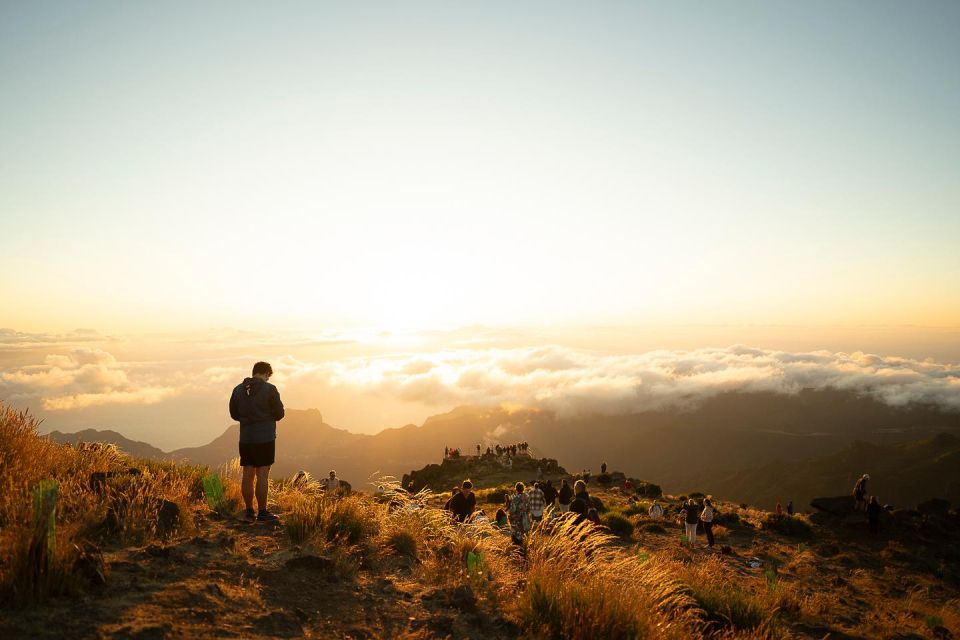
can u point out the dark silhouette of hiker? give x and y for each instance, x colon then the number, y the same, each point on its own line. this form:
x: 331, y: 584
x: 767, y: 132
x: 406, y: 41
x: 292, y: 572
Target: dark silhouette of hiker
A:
x: 582, y: 503
x: 549, y: 493
x: 691, y: 517
x: 478, y: 451
x: 256, y: 405
x: 860, y: 492
x: 603, y: 467
x: 779, y: 509
x: 565, y: 496
x: 790, y: 508
x: 873, y: 514
x: 464, y: 502
x: 706, y: 517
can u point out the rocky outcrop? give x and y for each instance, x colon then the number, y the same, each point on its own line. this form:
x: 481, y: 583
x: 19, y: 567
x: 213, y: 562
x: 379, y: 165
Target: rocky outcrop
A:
x: 838, y: 505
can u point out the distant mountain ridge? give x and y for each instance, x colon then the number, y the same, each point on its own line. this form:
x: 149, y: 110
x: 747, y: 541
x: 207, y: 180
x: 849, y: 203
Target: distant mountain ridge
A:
x: 681, y: 450
x: 132, y: 447
x: 900, y: 475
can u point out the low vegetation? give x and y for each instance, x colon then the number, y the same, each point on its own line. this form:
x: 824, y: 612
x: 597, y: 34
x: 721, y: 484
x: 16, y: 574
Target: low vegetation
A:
x: 62, y: 506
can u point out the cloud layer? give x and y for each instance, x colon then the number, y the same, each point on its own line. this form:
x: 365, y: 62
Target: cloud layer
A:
x: 572, y: 381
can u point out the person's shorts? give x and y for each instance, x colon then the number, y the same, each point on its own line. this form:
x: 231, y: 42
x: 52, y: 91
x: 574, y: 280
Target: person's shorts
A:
x: 257, y: 454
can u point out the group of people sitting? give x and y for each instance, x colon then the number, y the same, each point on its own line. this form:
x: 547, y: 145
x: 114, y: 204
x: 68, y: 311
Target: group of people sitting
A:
x: 524, y: 506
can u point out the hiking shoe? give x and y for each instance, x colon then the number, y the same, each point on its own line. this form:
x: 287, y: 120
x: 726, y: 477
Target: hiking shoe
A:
x: 250, y: 514
x: 266, y: 516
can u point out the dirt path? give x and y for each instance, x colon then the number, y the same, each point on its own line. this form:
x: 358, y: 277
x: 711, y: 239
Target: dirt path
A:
x: 233, y: 580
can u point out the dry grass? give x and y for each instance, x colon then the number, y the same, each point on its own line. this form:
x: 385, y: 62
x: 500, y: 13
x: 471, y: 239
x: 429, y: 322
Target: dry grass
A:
x: 38, y: 560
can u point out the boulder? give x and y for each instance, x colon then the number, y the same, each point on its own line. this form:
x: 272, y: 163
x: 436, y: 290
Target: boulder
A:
x: 838, y: 505
x: 168, y: 518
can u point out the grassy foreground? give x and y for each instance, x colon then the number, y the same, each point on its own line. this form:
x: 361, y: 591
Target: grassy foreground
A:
x: 142, y: 554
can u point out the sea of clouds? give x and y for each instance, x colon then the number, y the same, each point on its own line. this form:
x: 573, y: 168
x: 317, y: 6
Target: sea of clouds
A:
x: 76, y: 371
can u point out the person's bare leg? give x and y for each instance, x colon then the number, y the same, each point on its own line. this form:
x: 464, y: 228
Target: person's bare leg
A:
x: 263, y: 475
x: 246, y: 486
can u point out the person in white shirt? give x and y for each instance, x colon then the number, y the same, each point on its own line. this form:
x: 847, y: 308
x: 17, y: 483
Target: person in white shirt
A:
x: 331, y: 484
x: 655, y: 511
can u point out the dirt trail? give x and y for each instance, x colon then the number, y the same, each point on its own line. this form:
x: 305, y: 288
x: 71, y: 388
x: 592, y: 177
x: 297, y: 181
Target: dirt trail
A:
x: 233, y: 580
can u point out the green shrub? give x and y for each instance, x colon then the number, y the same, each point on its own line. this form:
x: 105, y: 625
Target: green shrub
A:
x: 634, y: 509
x: 604, y: 479
x: 403, y: 543
x: 653, y: 527
x: 793, y: 526
x: 496, y: 496
x: 617, y: 524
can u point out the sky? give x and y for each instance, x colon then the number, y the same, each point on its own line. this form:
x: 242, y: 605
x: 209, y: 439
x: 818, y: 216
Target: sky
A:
x: 613, y: 178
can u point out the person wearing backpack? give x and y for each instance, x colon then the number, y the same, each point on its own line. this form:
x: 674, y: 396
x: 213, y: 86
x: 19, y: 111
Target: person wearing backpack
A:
x: 518, y: 513
x: 860, y: 492
x: 565, y: 496
x: 549, y: 494
x: 537, y: 502
x: 691, y: 517
x: 582, y: 503
x: 706, y: 517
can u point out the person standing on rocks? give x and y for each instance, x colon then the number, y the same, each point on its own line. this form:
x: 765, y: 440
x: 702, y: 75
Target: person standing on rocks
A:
x: 256, y: 405
x: 691, y: 517
x: 790, y: 508
x: 860, y: 492
x: 706, y: 517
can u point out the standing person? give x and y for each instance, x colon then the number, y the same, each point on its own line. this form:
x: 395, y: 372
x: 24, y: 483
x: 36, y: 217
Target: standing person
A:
x: 860, y: 492
x: 256, y: 405
x: 518, y: 513
x: 582, y: 503
x: 549, y: 494
x: 873, y: 514
x: 478, y: 451
x: 779, y: 509
x: 464, y: 502
x: 537, y: 502
x: 655, y: 511
x: 331, y: 484
x: 706, y: 517
x: 565, y: 496
x: 790, y: 508
x: 603, y: 467
x: 691, y: 518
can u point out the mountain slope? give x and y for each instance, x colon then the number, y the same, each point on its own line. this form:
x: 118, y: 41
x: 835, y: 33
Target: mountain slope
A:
x: 901, y: 475
x: 132, y: 447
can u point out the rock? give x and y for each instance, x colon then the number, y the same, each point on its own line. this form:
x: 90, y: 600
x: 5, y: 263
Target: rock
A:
x: 838, y: 505
x: 310, y: 563
x: 168, y: 518
x: 463, y: 598
x: 937, y: 507
x: 279, y: 624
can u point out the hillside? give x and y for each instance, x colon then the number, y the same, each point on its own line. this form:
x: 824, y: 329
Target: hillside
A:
x: 684, y: 450
x: 131, y: 447
x: 397, y: 567
x: 902, y: 474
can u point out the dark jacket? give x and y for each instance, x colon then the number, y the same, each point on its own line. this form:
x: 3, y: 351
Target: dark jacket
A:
x: 692, y: 513
x: 873, y: 511
x: 581, y: 505
x: 549, y: 495
x: 462, y: 506
x: 256, y: 405
x: 566, y: 494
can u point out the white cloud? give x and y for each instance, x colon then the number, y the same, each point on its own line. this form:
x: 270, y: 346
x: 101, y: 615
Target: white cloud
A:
x: 83, y: 377
x: 568, y: 380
